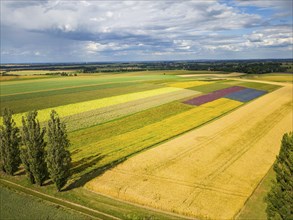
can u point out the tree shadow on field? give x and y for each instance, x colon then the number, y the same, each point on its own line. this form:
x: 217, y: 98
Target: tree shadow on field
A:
x: 92, y: 174
x: 85, y: 163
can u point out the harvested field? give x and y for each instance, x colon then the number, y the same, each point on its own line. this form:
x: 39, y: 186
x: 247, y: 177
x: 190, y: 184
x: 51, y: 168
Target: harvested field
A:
x: 209, y: 172
x: 213, y: 96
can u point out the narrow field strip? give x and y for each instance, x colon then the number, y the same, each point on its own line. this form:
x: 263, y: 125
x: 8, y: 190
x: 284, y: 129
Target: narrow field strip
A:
x: 189, y: 84
x: 120, y: 146
x: 62, y: 91
x: 260, y: 86
x: 101, y: 115
x: 211, y: 87
x: 9, y: 88
x: 76, y: 108
x: 55, y: 99
x: 126, y: 124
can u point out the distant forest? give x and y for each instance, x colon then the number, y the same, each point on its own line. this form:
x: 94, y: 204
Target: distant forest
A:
x: 243, y: 66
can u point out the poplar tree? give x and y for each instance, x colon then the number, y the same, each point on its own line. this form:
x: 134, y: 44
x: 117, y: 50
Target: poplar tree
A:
x: 58, y: 157
x: 9, y: 144
x: 33, y: 150
x: 280, y: 197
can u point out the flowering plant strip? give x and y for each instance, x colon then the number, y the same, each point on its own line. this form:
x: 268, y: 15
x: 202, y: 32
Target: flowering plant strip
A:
x: 214, y: 95
x: 246, y: 95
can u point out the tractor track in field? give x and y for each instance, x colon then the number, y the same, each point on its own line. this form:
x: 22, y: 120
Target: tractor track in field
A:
x: 184, y: 183
x: 264, y: 126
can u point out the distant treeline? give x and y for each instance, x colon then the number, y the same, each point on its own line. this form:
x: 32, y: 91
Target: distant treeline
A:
x: 244, y: 66
x: 61, y: 74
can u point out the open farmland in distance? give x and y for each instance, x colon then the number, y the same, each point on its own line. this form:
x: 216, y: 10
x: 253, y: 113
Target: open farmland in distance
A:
x: 114, y: 118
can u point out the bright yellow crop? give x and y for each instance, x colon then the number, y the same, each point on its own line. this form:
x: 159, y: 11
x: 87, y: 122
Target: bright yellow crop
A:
x: 80, y: 107
x: 122, y: 145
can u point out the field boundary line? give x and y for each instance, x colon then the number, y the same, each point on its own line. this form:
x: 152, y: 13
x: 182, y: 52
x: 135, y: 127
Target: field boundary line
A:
x: 145, y: 207
x: 61, y: 202
x: 236, y: 216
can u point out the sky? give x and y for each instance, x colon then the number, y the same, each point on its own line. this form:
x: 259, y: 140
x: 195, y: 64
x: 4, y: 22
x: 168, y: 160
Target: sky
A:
x: 99, y: 31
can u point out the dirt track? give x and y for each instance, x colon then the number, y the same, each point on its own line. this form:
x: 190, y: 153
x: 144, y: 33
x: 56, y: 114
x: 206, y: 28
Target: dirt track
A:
x: 211, y: 171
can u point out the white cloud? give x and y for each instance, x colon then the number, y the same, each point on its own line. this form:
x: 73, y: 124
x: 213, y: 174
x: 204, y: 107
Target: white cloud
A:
x: 162, y: 28
x: 94, y: 47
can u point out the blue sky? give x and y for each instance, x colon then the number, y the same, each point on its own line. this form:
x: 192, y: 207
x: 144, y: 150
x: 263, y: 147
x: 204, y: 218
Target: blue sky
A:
x: 93, y: 31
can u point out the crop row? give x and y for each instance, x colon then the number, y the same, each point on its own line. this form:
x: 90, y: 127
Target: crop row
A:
x: 123, y: 145
x: 53, y: 98
x: 18, y: 87
x: 126, y: 124
x: 101, y: 115
x: 76, y: 108
x: 62, y: 91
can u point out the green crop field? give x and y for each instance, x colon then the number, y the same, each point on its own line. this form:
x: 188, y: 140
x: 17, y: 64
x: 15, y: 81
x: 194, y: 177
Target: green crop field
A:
x: 15, y: 205
x: 112, y: 117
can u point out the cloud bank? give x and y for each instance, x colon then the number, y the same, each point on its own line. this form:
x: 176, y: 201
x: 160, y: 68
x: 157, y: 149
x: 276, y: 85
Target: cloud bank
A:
x: 64, y: 31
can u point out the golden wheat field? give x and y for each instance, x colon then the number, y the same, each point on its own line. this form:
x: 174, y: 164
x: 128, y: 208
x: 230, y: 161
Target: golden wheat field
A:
x: 209, y: 172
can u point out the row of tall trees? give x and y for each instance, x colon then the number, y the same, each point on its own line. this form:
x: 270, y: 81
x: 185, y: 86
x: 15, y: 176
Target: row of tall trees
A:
x: 280, y: 197
x: 42, y: 157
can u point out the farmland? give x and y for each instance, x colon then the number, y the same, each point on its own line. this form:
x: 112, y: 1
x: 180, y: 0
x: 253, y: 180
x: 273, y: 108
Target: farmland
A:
x: 273, y: 77
x: 206, y: 170
x: 168, y: 122
x: 49, y: 211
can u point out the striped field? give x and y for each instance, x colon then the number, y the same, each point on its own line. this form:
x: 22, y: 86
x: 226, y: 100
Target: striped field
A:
x: 128, y: 118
